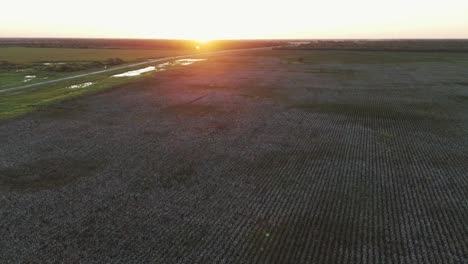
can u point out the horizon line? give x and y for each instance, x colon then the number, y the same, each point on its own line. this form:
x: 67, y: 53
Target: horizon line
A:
x: 239, y: 39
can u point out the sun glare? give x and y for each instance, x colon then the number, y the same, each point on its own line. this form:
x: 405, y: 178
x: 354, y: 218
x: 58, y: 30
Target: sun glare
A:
x: 206, y: 20
x: 203, y: 40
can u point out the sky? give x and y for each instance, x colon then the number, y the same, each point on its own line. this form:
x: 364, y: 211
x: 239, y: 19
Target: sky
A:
x: 236, y: 19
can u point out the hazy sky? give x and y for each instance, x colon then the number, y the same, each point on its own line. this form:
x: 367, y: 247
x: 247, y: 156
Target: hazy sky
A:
x: 213, y: 19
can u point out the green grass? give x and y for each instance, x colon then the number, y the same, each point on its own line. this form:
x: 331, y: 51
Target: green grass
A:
x: 17, y: 62
x: 23, y: 101
x: 22, y: 55
x: 29, y: 61
x: 10, y: 79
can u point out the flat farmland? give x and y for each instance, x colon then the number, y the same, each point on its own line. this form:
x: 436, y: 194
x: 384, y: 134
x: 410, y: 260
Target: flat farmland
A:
x: 276, y: 156
x: 21, y: 65
x: 24, y: 55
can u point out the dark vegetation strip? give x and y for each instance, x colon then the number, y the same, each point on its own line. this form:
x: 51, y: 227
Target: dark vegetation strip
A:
x: 374, y: 50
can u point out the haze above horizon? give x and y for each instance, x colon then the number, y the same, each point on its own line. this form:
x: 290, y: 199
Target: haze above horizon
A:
x: 242, y: 19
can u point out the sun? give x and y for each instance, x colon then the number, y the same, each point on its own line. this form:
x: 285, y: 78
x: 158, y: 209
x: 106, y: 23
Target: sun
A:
x: 203, y: 40
x: 202, y: 43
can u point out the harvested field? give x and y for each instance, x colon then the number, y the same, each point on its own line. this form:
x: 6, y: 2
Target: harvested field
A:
x: 263, y: 157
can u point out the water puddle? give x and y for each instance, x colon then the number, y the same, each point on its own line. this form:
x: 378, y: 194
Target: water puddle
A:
x: 188, y: 61
x: 135, y: 72
x: 159, y: 67
x: 29, y: 78
x: 53, y: 63
x: 81, y: 85
x: 162, y: 65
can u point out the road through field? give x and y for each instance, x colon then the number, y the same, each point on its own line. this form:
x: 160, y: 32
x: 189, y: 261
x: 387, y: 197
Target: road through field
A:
x: 124, y: 67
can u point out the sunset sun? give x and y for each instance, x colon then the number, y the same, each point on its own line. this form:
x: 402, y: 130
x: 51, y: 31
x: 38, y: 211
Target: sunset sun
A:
x: 203, y: 40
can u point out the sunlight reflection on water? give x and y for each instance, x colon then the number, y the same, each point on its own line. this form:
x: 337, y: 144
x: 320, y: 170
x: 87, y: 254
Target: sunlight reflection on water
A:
x: 82, y: 85
x: 188, y: 61
x: 159, y: 67
x: 28, y: 78
x: 135, y: 72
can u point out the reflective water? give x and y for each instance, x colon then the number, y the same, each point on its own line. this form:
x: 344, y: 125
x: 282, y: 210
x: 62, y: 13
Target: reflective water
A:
x: 53, y: 63
x: 81, y: 85
x: 28, y: 78
x: 135, y: 72
x: 188, y: 61
x: 162, y: 65
x: 159, y: 67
